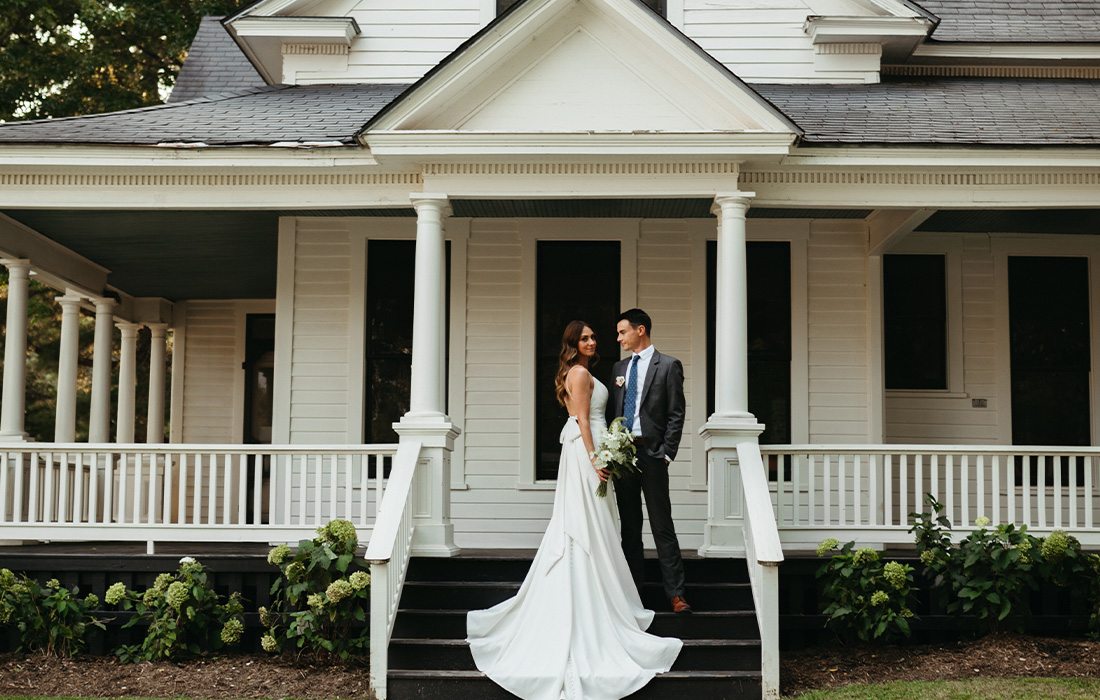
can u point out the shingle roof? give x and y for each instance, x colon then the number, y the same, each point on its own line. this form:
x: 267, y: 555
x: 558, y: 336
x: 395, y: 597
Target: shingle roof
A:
x: 945, y: 111
x: 215, y: 64
x: 313, y: 113
x: 957, y: 111
x: 1016, y: 20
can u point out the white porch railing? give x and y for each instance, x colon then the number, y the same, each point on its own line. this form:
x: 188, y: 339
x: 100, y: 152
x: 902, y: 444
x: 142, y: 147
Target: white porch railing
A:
x: 193, y: 493
x: 866, y: 492
x: 389, y: 552
x: 763, y: 554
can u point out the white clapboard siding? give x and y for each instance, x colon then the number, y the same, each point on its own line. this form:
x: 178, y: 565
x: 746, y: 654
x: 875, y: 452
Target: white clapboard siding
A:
x: 929, y: 418
x: 319, y: 365
x: 211, y: 363
x: 837, y: 333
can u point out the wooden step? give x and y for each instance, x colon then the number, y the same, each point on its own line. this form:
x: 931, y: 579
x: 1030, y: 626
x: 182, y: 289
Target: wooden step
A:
x: 697, y: 655
x: 473, y: 685
x: 475, y: 595
x: 725, y: 624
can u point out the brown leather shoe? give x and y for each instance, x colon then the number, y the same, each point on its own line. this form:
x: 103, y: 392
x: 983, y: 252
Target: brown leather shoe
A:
x: 680, y: 606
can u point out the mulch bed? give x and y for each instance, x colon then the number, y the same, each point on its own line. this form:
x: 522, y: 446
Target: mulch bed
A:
x: 995, y: 656
x: 244, y: 677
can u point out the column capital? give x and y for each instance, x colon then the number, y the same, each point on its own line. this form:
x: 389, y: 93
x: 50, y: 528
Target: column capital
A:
x: 69, y: 300
x: 158, y: 330
x: 105, y: 306
x: 430, y: 201
x: 19, y: 267
x: 128, y: 328
x: 732, y: 202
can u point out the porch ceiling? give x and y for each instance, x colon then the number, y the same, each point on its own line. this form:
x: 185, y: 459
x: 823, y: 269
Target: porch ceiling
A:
x: 177, y: 254
x: 1075, y: 221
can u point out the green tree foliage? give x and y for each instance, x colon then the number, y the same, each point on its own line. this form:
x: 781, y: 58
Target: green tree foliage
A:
x: 62, y: 58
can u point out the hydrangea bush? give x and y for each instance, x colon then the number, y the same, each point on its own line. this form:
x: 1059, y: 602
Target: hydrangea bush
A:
x: 185, y: 617
x: 863, y: 597
x: 52, y: 619
x: 317, y: 607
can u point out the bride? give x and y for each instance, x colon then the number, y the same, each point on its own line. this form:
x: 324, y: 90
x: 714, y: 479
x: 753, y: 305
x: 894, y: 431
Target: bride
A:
x: 576, y: 628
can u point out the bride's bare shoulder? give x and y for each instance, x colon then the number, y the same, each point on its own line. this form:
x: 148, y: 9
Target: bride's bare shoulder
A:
x: 577, y: 373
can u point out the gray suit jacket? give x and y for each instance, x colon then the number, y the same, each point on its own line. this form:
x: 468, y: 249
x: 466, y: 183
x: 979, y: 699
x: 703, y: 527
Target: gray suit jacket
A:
x: 662, y: 404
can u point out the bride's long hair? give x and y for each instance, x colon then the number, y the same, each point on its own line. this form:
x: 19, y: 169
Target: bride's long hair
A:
x: 569, y: 356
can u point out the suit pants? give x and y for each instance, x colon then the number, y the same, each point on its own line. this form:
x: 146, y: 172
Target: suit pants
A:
x: 653, y: 483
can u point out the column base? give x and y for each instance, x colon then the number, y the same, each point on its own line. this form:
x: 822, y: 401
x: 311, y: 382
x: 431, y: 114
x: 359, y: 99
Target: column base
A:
x: 723, y: 541
x: 434, y: 533
x: 434, y: 540
x: 16, y: 438
x: 723, y: 533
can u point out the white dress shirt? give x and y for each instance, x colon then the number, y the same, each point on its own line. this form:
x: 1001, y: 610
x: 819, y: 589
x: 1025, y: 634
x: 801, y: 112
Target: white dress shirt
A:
x: 643, y: 366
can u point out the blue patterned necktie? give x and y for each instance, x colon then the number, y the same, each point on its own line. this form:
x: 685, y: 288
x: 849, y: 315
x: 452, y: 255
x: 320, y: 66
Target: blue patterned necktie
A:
x: 631, y: 398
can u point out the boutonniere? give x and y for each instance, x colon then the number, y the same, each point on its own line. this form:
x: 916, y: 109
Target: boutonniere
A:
x: 620, y: 381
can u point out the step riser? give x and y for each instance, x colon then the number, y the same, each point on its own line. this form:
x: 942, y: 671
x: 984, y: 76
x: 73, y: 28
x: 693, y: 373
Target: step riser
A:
x: 658, y: 689
x: 734, y: 597
x: 422, y: 625
x: 457, y: 658
x: 514, y: 570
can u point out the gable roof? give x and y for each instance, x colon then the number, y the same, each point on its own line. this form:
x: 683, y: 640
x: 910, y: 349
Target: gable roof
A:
x: 215, y: 64
x: 1016, y: 21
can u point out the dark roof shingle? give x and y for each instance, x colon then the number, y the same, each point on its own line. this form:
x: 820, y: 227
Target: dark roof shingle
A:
x: 215, y: 64
x: 1055, y: 21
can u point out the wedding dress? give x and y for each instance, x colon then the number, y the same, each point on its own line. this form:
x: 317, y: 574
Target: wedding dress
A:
x: 576, y: 629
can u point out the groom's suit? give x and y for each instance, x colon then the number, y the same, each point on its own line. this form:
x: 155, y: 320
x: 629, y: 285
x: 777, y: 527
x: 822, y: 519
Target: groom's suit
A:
x: 661, y: 417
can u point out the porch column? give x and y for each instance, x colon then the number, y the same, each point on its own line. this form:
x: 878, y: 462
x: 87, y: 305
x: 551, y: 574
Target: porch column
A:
x: 154, y: 430
x: 127, y: 381
x: 731, y: 424
x: 427, y: 421
x: 13, y: 400
x: 64, y: 429
x: 99, y: 427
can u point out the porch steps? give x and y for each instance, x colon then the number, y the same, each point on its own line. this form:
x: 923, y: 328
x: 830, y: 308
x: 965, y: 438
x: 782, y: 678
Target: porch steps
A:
x: 429, y: 657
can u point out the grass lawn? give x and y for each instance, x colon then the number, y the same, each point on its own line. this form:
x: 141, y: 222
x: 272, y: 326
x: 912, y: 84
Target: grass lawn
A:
x: 971, y: 689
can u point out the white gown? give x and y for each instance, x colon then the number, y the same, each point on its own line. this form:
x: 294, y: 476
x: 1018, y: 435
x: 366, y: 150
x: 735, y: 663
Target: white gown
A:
x: 576, y: 629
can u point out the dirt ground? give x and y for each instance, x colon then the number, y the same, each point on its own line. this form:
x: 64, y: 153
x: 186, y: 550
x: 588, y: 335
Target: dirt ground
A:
x: 245, y: 677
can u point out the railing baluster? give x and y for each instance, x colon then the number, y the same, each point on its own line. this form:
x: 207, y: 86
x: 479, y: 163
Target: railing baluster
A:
x: 18, y: 501
x: 873, y: 495
x: 364, y: 487
x: 826, y: 468
x: 303, y: 498
x: 151, y: 506
x: 811, y: 492
x: 857, y: 480
x: 949, y: 484
x: 934, y: 483
x: 333, y: 486
x: 275, y: 481
x: 62, y: 488
x: 918, y: 483
x: 181, y: 498
x: 196, y: 505
x: 888, y: 489
x: 4, y: 488
x: 964, y: 489
x: 842, y: 489
x: 227, y: 487
x: 1056, y: 498
x: 78, y: 487
x: 1027, y: 490
x: 796, y: 492
x: 257, y: 486
x: 122, y: 487
x: 212, y: 491
x: 169, y: 493
x: 349, y: 481
x: 318, y: 494
x: 981, y: 486
x: 47, y: 491
x: 1088, y: 491
x: 109, y: 495
x: 903, y: 489
x: 242, y: 489
x: 779, y: 501
x: 1041, y: 489
x: 1073, y: 491
x: 1009, y: 486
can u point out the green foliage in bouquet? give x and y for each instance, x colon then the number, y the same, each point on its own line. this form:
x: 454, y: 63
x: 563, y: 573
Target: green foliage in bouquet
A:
x: 51, y: 619
x: 185, y: 617
x: 617, y: 454
x: 317, y: 607
x: 863, y: 597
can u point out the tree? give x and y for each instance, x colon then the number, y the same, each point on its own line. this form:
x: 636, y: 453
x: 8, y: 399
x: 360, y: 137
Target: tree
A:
x: 64, y: 58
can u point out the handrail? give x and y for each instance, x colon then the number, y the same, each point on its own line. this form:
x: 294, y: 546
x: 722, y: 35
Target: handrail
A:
x: 763, y: 554
x: 914, y: 449
x: 194, y: 448
x: 389, y: 552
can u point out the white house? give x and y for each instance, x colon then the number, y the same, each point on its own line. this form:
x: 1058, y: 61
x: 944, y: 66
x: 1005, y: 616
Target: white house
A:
x: 869, y: 225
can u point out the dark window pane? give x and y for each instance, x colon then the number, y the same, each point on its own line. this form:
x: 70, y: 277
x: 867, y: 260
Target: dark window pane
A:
x: 390, y: 282
x: 657, y: 6
x: 915, y: 321
x: 575, y: 280
x: 769, y: 301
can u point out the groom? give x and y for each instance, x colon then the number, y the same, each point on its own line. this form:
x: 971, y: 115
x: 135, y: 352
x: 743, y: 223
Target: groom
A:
x: 649, y: 394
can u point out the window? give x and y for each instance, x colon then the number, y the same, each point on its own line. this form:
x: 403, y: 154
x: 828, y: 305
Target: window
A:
x: 915, y: 321
x: 769, y: 301
x: 390, y: 273
x: 657, y: 6
x: 575, y: 280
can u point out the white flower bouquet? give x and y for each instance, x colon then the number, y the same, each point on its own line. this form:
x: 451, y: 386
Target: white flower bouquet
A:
x: 617, y: 454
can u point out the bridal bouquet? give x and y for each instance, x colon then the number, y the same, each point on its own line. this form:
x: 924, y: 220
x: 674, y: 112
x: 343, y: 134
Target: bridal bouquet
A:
x: 616, y: 453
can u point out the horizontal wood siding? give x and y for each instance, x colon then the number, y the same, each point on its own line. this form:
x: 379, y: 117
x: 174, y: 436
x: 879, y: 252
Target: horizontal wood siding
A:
x: 319, y: 367
x: 837, y: 332
x: 212, y: 360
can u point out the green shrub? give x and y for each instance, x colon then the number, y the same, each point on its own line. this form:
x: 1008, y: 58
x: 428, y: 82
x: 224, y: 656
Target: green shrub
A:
x: 317, y: 606
x: 51, y: 619
x: 185, y: 617
x: 863, y: 597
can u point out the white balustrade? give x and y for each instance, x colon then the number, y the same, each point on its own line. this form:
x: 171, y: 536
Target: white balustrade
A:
x: 151, y: 493
x: 867, y: 492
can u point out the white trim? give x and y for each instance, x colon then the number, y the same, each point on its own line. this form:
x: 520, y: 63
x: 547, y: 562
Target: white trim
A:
x: 242, y: 308
x: 284, y: 330
x: 1047, y: 245
x: 487, y: 11
x: 843, y: 30
x: 357, y: 339
x: 876, y: 361
x: 951, y: 248
x: 1030, y: 51
x: 64, y: 267
x: 701, y: 233
x: 179, y: 371
x: 674, y: 13
x: 340, y: 30
x: 626, y: 233
x: 458, y: 233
